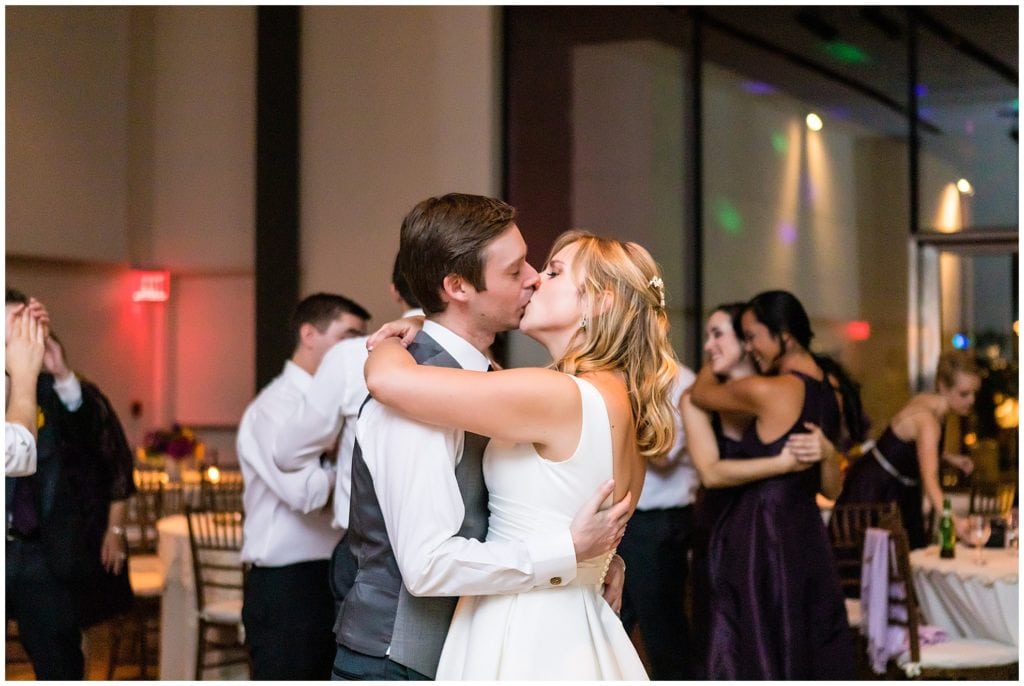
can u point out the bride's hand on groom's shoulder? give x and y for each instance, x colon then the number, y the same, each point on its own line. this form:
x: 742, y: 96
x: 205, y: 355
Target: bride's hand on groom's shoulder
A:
x: 404, y: 329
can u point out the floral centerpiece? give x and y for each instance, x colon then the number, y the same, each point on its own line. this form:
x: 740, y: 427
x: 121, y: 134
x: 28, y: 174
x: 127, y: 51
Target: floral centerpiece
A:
x: 170, y: 448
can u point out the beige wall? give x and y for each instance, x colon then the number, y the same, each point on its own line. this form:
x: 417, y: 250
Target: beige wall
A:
x: 399, y: 103
x: 130, y: 142
x: 633, y: 187
x: 66, y: 132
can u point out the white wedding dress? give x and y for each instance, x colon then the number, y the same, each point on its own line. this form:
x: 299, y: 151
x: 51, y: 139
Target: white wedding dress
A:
x: 562, y: 632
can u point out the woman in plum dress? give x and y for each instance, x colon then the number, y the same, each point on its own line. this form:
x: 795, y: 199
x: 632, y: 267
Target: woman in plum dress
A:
x: 713, y: 443
x: 778, y: 610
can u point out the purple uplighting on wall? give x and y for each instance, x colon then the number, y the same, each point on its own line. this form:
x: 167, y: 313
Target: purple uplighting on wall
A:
x: 786, y: 232
x: 758, y: 87
x: 921, y: 90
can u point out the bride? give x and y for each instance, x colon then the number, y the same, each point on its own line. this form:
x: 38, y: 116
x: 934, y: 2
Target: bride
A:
x: 600, y: 411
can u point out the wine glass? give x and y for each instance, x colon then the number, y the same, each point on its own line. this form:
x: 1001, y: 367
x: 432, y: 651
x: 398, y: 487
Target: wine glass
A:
x: 978, y: 531
x: 1011, y: 528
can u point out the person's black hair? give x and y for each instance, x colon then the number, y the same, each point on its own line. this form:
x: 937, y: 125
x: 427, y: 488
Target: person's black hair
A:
x: 855, y: 421
x: 782, y: 312
x: 320, y: 309
x: 15, y: 296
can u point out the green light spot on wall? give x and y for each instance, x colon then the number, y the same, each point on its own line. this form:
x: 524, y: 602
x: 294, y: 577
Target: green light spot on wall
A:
x: 780, y: 143
x: 846, y: 53
x: 728, y: 217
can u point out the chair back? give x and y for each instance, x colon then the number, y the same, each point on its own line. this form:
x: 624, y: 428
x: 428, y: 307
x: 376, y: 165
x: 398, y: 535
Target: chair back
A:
x: 216, y: 542
x: 903, y: 607
x: 224, y: 494
x: 991, y: 498
x: 143, y: 509
x: 172, y: 499
x: 846, y: 527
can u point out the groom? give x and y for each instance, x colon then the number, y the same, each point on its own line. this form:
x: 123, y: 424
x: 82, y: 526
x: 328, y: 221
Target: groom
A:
x: 418, y: 512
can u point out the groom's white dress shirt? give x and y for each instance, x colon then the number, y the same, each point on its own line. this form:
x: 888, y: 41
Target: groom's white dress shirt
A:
x: 327, y: 413
x: 413, y: 470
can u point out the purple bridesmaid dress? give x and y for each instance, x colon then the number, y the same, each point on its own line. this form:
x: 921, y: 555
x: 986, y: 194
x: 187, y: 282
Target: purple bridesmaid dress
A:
x: 777, y: 608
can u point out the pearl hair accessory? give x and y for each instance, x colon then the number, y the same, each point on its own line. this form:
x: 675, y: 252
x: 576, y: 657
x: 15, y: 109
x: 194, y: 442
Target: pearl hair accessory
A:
x: 658, y: 285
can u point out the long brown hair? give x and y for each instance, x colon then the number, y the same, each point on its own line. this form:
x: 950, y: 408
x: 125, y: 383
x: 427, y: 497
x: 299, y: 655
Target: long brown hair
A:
x: 625, y: 328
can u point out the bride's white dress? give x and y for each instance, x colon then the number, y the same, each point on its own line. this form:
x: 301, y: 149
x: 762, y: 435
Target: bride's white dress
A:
x: 563, y: 632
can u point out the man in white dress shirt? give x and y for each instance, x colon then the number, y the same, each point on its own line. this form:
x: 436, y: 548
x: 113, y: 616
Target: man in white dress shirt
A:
x: 324, y: 419
x: 655, y: 549
x: 24, y: 342
x: 418, y: 504
x: 288, y: 538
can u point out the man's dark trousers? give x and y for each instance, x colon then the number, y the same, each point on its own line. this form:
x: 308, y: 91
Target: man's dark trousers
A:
x: 289, y: 621
x: 655, y: 549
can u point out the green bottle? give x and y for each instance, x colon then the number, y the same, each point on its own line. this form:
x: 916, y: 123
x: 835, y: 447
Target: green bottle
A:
x: 947, y: 533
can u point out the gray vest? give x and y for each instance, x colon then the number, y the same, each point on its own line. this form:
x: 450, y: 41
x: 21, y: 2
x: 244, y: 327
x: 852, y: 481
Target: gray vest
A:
x: 378, y: 616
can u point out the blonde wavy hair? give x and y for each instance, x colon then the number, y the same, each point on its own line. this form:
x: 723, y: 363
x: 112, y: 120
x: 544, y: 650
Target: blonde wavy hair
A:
x: 625, y: 327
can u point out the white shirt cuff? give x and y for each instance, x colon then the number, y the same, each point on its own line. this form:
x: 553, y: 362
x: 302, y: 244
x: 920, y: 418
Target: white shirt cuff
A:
x: 70, y: 391
x: 554, y: 559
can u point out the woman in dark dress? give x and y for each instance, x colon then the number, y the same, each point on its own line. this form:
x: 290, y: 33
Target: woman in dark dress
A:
x: 904, y: 464
x: 713, y: 442
x: 778, y: 611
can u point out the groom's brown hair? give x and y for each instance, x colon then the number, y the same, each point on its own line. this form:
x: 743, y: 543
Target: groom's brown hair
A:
x: 448, y: 235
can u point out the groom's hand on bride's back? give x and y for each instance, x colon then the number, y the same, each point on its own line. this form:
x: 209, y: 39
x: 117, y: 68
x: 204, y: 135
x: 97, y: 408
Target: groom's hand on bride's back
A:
x: 596, y: 531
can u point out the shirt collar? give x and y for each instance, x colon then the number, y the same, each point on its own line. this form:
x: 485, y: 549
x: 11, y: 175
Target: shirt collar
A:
x: 458, y: 347
x: 414, y: 312
x: 297, y: 375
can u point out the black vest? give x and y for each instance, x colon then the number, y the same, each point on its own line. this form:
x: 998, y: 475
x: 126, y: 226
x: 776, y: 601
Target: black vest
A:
x: 378, y: 616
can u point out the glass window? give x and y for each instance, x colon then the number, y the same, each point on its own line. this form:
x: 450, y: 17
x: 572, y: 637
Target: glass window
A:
x: 968, y: 155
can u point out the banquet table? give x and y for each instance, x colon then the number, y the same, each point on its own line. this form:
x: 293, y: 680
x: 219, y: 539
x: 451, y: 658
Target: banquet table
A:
x: 966, y: 599
x: 178, y: 615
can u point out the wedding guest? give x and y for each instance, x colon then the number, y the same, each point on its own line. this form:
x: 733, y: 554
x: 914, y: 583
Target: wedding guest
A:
x: 323, y: 420
x: 25, y: 343
x: 778, y: 609
x: 288, y: 539
x: 905, y: 460
x: 656, y: 549
x: 65, y: 565
x: 715, y: 448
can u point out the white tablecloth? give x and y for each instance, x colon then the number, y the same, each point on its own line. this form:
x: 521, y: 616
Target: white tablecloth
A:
x: 967, y: 599
x: 179, y: 625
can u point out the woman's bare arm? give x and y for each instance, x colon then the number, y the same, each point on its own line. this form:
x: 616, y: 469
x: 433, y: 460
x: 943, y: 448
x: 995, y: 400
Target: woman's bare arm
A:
x: 522, y: 405
x: 718, y: 473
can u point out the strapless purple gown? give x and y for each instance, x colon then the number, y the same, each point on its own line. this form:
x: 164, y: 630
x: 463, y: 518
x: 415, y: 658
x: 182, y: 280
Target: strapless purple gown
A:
x: 777, y: 608
x: 868, y: 482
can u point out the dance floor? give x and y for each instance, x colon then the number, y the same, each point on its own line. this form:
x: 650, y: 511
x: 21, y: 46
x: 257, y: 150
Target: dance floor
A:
x: 97, y: 652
